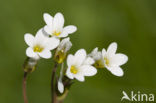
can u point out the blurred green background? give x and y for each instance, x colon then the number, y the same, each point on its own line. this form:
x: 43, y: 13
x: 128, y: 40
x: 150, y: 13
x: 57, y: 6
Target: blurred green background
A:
x: 130, y: 23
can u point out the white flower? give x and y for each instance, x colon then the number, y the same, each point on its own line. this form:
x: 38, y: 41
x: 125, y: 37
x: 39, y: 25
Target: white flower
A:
x: 40, y: 45
x: 60, y: 84
x: 54, y: 26
x: 97, y: 56
x: 113, y: 61
x: 79, y: 65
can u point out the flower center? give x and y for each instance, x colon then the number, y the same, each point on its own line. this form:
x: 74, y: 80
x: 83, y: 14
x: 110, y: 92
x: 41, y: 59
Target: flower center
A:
x: 56, y: 33
x: 106, y: 61
x: 99, y: 64
x: 38, y: 48
x: 73, y: 69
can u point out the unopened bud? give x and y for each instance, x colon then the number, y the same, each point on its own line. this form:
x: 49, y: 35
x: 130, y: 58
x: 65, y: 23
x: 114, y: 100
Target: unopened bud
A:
x: 30, y: 65
x: 61, y: 51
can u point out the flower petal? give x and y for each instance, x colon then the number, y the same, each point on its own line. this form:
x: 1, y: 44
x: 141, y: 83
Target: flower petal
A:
x: 120, y: 59
x: 104, y: 52
x: 45, y: 54
x: 41, y: 38
x: 63, y: 34
x: 29, y: 39
x: 69, y: 74
x: 48, y: 19
x: 70, y: 29
x: 88, y: 70
x: 89, y: 61
x: 117, y: 71
x: 80, y: 77
x: 112, y: 48
x: 31, y: 53
x: 48, y: 30
x: 49, y: 43
x: 58, y: 21
x: 80, y: 56
x: 60, y: 86
x: 65, y: 43
x: 39, y: 35
x: 94, y: 51
x: 70, y: 60
x: 52, y: 43
x: 95, y: 54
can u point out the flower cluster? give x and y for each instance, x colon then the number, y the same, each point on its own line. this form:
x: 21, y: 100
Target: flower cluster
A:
x: 54, y: 36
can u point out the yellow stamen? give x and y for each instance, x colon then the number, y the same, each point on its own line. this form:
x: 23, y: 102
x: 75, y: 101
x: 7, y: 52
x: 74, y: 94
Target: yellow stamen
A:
x: 38, y: 48
x: 56, y: 33
x: 106, y: 61
x: 73, y: 70
x: 99, y: 64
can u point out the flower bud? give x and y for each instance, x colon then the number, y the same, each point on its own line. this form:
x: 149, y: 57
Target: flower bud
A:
x: 30, y: 65
x: 61, y: 51
x: 67, y: 84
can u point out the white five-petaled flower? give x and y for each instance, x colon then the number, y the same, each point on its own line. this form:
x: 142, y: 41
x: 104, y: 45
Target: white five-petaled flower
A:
x: 113, y: 60
x: 40, y: 45
x: 79, y: 65
x: 54, y: 26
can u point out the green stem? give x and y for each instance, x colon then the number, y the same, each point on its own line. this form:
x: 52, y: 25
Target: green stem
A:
x: 24, y: 88
x: 53, y: 94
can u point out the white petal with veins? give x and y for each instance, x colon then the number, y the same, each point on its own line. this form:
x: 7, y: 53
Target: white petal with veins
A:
x: 88, y: 61
x: 116, y: 71
x: 30, y: 52
x: 45, y: 54
x: 58, y: 22
x: 112, y: 48
x: 29, y: 39
x: 70, y: 29
x: 48, y: 19
x: 89, y: 70
x: 80, y: 56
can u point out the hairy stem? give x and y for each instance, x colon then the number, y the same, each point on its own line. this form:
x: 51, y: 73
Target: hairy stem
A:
x: 24, y: 88
x: 53, y: 94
